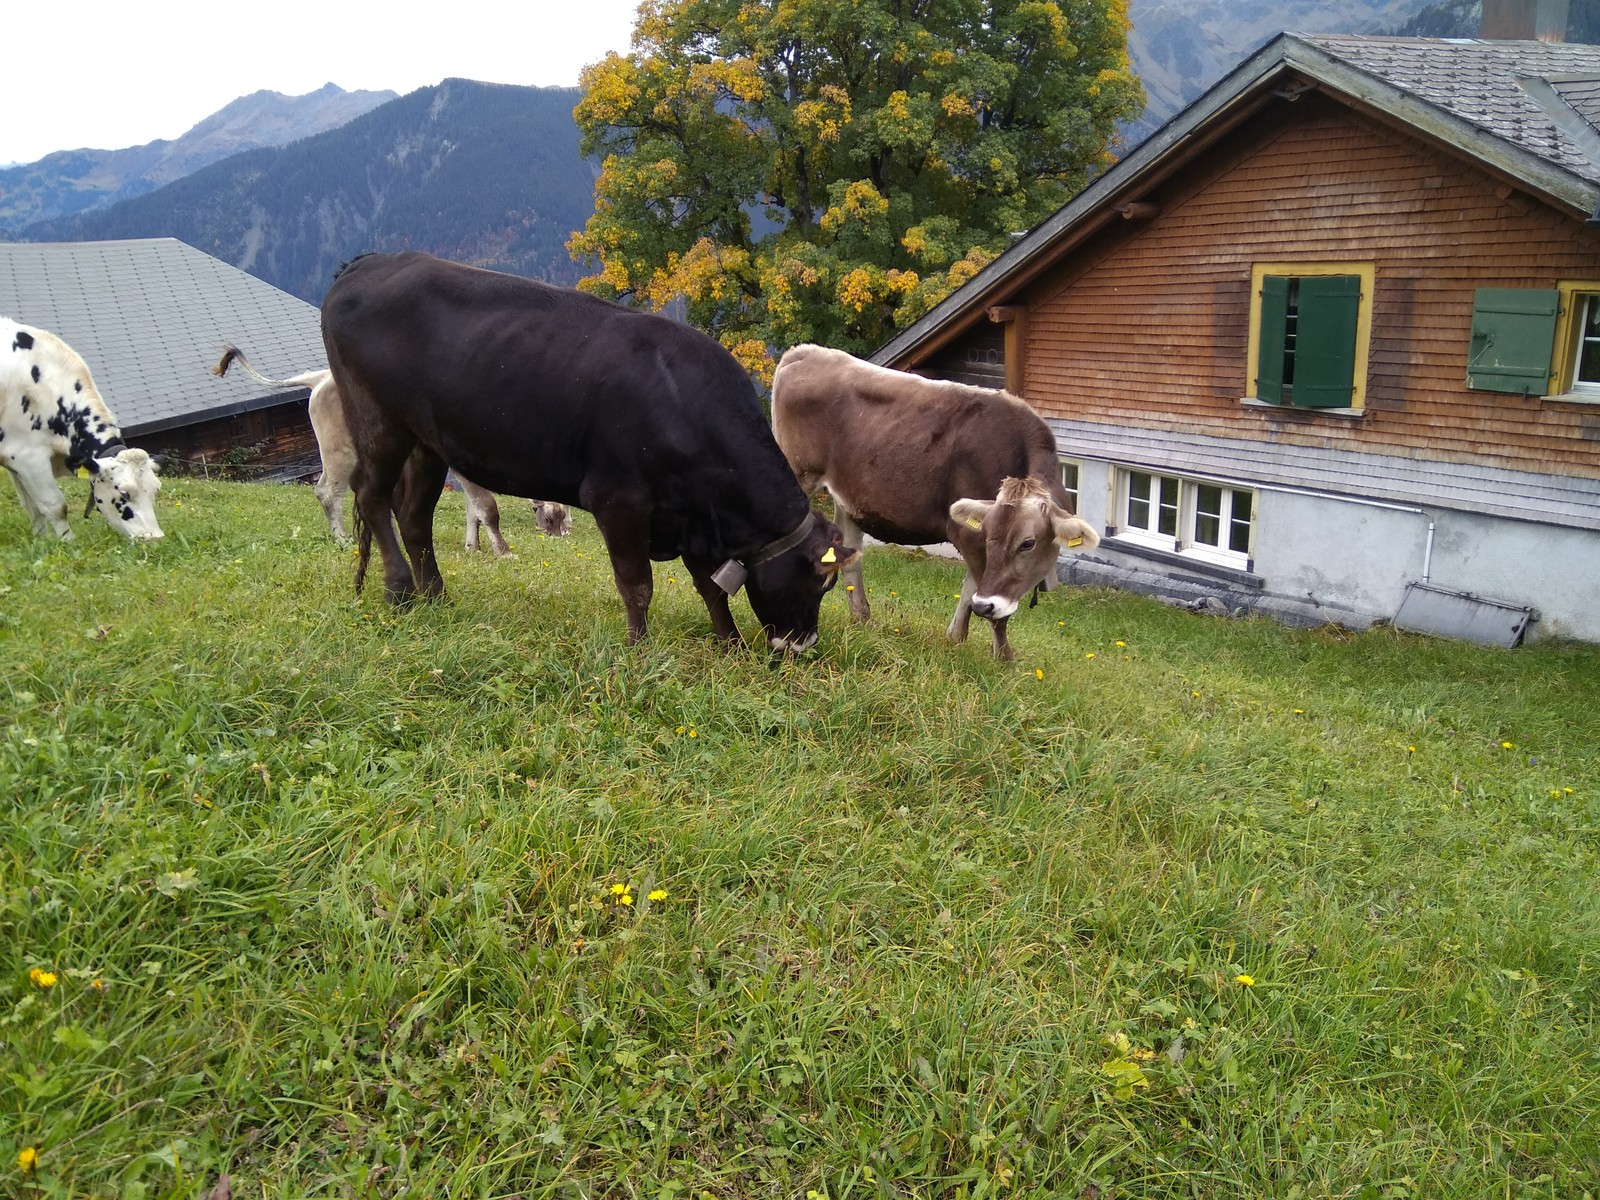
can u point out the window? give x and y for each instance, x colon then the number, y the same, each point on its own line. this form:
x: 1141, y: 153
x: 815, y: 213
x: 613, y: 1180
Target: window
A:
x: 1069, y: 481
x: 1204, y: 519
x: 1310, y: 329
x: 1585, y: 336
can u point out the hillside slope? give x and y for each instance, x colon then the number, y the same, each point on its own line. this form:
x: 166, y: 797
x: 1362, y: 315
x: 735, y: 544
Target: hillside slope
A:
x: 482, y: 173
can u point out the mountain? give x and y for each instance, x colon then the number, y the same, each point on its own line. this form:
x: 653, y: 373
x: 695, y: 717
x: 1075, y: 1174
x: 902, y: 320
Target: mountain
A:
x: 482, y: 173
x: 1181, y: 47
x: 76, y: 181
x: 1459, y: 18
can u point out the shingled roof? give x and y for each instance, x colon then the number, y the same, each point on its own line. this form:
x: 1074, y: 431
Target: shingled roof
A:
x: 150, y: 317
x: 1528, y: 111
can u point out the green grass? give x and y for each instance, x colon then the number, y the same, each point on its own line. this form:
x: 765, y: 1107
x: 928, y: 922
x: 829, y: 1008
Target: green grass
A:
x: 328, y: 890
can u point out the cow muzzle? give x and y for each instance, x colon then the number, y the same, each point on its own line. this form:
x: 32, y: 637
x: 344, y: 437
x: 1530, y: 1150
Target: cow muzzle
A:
x: 793, y: 644
x: 993, y: 608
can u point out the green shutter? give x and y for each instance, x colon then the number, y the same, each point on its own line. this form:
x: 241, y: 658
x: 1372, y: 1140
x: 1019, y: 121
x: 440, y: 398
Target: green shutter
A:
x: 1513, y: 334
x: 1274, y: 328
x: 1325, y: 341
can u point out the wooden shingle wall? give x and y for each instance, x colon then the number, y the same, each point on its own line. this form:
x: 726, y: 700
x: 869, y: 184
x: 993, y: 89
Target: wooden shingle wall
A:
x: 1147, y: 323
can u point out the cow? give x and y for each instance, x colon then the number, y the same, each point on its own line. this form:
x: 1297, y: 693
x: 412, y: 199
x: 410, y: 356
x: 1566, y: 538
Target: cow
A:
x: 551, y: 519
x: 338, y: 457
x: 535, y: 390
x: 919, y: 461
x: 53, y: 422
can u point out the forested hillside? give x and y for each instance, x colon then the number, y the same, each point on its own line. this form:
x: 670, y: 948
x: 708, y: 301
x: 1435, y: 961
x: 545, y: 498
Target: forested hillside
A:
x: 481, y: 173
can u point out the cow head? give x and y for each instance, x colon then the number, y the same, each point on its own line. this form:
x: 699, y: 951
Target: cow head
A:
x: 123, y: 487
x: 1023, y: 529
x: 786, y: 590
x: 552, y: 519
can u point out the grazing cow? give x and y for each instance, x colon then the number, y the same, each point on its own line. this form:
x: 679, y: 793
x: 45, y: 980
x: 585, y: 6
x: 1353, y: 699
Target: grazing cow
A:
x: 535, y: 390
x: 917, y: 461
x: 551, y: 519
x: 339, y: 457
x: 53, y: 422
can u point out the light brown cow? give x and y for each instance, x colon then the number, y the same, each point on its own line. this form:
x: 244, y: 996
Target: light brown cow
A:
x: 338, y: 455
x: 918, y: 461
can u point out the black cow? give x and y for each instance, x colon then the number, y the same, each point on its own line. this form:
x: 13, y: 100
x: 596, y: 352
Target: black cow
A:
x: 538, y: 391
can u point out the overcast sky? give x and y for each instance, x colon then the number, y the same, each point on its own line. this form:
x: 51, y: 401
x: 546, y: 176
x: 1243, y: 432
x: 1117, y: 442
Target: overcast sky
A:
x: 103, y: 75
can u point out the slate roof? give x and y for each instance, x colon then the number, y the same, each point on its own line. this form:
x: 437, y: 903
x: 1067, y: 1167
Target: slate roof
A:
x: 150, y: 317
x: 1525, y: 109
x: 1481, y: 83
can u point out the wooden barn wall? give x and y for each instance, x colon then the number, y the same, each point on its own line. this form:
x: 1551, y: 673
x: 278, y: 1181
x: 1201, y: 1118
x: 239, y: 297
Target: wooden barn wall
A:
x: 267, y: 439
x: 1148, y: 322
x: 977, y: 357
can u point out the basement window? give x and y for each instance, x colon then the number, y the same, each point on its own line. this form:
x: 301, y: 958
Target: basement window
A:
x: 1204, y: 519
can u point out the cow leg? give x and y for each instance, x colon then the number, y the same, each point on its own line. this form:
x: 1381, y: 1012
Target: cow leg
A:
x: 626, y: 531
x: 484, y: 509
x: 958, y: 623
x: 716, y: 599
x: 41, y: 495
x: 851, y: 571
x: 421, y: 481
x: 1002, y: 647
x: 373, y: 481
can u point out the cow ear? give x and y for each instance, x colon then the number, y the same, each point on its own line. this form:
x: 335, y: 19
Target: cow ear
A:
x: 970, y: 513
x: 1074, y: 533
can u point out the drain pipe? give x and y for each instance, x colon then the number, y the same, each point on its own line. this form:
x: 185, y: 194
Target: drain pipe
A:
x: 1427, y: 554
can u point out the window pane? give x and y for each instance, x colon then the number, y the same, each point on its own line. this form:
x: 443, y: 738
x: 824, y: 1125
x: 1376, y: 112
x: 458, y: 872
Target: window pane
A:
x: 1291, y: 329
x: 1208, y: 514
x: 1138, y: 500
x: 1168, y: 518
x: 1239, y: 524
x: 1069, y: 482
x: 1588, y: 370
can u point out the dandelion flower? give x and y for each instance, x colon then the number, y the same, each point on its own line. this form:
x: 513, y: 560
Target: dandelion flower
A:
x: 98, y: 984
x: 1245, y: 980
x: 680, y: 728
x: 625, y: 898
x: 27, y: 1159
x: 1195, y: 695
x: 1300, y: 712
x: 618, y: 889
x: 1038, y: 673
x: 1121, y: 644
x: 1567, y: 790
x: 42, y: 978
x: 659, y: 894
x: 1090, y: 654
x: 693, y: 732
x: 1411, y: 749
x: 1505, y: 745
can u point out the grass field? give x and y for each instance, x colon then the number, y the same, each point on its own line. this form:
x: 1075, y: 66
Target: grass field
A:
x: 474, y: 900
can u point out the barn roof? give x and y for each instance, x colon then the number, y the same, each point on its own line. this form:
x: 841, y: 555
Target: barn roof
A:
x: 1526, y: 111
x: 150, y: 317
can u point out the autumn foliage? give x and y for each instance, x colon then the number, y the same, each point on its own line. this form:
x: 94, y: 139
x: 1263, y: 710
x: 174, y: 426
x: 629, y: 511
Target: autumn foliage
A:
x: 829, y: 170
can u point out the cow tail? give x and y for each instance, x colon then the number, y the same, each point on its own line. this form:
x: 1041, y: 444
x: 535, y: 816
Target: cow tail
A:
x: 364, y: 540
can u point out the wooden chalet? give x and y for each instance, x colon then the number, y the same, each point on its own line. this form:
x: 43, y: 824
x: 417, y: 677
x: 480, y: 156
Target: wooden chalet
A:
x: 1327, y: 345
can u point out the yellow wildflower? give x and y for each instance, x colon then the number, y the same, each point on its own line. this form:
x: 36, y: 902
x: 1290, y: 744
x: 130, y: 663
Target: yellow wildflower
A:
x: 1121, y: 644
x: 27, y: 1159
x: 42, y: 978
x: 625, y: 898
x: 659, y: 894
x: 1505, y: 745
x: 1245, y: 980
x: 618, y: 889
x: 1090, y: 654
x: 1037, y: 673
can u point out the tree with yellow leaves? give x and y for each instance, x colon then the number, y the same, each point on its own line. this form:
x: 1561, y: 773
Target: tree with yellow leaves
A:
x: 829, y: 170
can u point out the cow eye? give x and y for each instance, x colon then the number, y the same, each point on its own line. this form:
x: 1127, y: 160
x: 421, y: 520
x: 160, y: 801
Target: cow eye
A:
x: 1025, y: 545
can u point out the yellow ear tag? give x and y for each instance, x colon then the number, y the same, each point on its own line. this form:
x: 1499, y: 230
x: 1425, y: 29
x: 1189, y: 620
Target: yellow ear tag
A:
x: 974, y: 523
x: 830, y: 556
x: 83, y: 472
x: 1075, y: 542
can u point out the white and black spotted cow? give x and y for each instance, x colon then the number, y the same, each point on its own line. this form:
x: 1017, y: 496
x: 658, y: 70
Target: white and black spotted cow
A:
x: 52, y: 422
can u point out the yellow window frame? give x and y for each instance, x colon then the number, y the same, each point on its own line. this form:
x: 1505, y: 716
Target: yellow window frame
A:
x: 1564, y: 355
x: 1367, y: 273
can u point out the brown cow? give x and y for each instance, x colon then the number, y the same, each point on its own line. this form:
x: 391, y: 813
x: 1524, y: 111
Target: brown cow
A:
x: 918, y: 461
